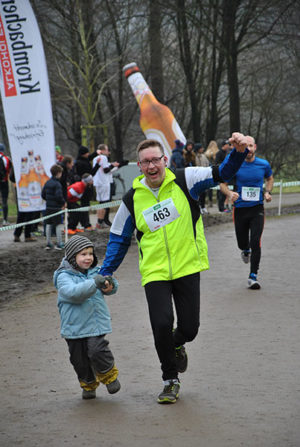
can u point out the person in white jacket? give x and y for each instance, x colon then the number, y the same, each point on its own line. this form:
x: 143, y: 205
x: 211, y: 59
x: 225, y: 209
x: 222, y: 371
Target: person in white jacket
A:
x: 103, y: 180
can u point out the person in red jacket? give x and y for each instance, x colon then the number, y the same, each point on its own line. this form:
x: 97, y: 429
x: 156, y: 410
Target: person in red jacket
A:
x: 5, y: 168
x: 74, y: 194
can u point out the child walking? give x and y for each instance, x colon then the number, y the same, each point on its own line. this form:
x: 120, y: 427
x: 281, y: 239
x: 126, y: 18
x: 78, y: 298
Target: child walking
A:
x: 85, y: 317
x: 52, y: 193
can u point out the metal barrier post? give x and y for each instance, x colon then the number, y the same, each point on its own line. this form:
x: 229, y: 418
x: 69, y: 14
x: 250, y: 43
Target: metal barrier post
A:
x: 280, y: 197
x: 66, y: 225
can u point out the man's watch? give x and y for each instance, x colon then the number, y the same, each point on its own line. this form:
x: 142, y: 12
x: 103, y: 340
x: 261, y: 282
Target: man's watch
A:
x: 270, y: 192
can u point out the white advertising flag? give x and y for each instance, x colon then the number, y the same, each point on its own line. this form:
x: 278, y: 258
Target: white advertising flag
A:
x: 26, y: 101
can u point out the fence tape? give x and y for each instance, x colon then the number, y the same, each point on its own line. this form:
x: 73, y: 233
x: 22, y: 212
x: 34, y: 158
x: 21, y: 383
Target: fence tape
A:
x: 284, y: 184
x: 114, y: 204
x: 84, y: 208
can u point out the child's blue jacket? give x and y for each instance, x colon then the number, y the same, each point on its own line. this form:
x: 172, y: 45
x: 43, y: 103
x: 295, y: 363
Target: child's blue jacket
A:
x: 82, y: 307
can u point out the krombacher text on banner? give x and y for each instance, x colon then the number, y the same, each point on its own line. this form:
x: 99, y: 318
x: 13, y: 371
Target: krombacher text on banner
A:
x: 26, y: 101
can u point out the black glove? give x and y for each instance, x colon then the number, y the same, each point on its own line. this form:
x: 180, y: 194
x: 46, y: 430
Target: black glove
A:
x: 100, y: 281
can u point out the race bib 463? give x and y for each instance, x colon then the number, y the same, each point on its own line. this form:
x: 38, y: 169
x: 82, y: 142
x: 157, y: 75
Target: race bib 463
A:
x: 160, y: 214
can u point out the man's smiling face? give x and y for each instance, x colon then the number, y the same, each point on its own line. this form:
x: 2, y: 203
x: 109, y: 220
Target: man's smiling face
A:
x: 154, y: 171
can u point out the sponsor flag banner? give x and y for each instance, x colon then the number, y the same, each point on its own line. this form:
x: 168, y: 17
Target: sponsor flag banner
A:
x: 26, y: 101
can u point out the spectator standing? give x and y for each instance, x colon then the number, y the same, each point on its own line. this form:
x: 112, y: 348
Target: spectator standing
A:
x: 85, y: 317
x: 68, y: 176
x: 103, y: 180
x: 189, y: 155
x: 75, y: 192
x: 5, y: 168
x: 248, y: 212
x: 177, y: 160
x: 201, y: 160
x: 162, y: 206
x: 52, y: 193
x: 83, y: 166
x: 220, y: 157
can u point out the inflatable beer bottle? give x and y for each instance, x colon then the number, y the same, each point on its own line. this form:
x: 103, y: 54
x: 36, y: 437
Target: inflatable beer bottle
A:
x: 156, y: 119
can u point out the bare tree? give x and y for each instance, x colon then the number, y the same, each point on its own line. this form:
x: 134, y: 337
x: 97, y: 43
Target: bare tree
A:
x: 156, y: 49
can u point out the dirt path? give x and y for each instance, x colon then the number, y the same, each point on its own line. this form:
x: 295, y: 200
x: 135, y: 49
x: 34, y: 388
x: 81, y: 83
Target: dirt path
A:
x: 242, y: 385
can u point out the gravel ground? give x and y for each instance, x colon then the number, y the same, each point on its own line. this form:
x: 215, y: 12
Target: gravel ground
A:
x: 242, y: 385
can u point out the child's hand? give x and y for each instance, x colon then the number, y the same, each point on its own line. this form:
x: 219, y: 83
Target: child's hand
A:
x: 105, y: 283
x: 108, y: 287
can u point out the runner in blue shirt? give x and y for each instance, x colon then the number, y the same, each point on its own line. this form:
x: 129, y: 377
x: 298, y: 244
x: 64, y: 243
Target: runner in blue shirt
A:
x: 248, y: 214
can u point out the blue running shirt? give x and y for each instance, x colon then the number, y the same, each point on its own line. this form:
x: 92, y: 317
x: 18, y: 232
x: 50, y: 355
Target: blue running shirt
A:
x: 249, y: 177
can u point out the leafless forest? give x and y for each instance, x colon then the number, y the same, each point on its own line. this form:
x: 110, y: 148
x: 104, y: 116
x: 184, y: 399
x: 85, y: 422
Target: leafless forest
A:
x: 220, y: 65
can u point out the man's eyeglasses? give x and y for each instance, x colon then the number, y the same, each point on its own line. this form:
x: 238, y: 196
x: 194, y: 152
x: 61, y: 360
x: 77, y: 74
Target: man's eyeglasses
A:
x: 155, y: 161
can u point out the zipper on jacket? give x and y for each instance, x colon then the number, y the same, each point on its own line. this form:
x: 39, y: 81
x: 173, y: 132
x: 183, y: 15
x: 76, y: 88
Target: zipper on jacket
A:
x: 166, y: 239
x: 167, y: 246
x: 168, y: 252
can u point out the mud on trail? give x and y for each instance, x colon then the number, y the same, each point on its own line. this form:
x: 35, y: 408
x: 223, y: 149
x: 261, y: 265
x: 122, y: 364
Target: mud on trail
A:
x: 27, y: 267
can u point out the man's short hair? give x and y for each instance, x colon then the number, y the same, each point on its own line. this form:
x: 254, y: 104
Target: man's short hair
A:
x: 250, y: 136
x: 55, y: 169
x: 145, y: 144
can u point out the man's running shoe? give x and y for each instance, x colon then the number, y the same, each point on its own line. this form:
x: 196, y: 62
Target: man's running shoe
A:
x: 252, y: 282
x: 181, y: 359
x: 245, y: 254
x: 101, y: 226
x: 108, y: 222
x: 170, y: 393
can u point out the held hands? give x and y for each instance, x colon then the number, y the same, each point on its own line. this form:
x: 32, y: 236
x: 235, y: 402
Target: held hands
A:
x: 104, y: 283
x: 239, y: 141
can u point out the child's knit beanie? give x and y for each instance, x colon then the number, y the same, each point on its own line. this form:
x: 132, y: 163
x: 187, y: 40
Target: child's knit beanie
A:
x: 74, y: 245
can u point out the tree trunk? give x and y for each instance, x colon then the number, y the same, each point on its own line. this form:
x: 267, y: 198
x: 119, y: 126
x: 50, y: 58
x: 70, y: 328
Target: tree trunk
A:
x: 229, y: 22
x: 218, y: 60
x: 155, y: 43
x: 185, y: 53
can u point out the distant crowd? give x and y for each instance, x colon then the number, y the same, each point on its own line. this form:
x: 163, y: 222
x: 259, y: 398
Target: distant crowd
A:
x: 73, y: 184
x: 195, y: 154
x: 76, y: 182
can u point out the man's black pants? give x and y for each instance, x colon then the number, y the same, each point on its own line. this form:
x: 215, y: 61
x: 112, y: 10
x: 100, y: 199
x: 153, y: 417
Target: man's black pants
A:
x: 186, y: 296
x: 249, y: 225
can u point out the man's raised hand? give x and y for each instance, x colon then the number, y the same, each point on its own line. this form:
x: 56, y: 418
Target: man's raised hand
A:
x: 239, y: 141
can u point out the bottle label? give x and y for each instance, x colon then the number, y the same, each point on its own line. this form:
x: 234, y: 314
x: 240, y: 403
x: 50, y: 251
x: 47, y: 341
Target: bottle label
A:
x: 160, y: 214
x: 34, y: 192
x: 139, y: 86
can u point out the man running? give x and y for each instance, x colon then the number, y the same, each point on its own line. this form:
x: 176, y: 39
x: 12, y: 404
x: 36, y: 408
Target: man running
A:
x: 248, y: 213
x: 163, y: 208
